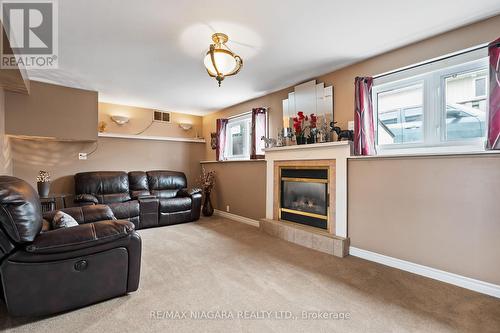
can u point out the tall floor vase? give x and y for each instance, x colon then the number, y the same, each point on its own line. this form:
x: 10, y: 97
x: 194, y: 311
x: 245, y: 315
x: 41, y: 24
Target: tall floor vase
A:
x: 208, y: 209
x: 43, y: 189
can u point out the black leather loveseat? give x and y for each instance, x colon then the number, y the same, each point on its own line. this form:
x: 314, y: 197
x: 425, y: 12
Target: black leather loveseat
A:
x: 147, y: 199
x: 46, y: 271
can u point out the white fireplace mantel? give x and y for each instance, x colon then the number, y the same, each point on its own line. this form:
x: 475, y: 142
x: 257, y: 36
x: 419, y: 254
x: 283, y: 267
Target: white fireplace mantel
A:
x: 338, y: 151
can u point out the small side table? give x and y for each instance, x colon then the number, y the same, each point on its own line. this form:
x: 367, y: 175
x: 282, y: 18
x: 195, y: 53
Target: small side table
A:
x: 50, y: 202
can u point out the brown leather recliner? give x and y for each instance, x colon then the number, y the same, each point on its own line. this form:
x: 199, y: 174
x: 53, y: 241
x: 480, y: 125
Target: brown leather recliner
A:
x: 148, y: 199
x: 47, y: 271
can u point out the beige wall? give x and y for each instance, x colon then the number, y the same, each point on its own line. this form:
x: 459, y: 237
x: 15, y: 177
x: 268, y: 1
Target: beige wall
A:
x: 241, y: 186
x: 5, y: 155
x: 140, y: 118
x: 52, y: 111
x: 440, y: 212
x: 61, y: 158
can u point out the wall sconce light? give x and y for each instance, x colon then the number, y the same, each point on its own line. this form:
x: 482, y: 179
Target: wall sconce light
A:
x: 185, y: 126
x: 120, y: 120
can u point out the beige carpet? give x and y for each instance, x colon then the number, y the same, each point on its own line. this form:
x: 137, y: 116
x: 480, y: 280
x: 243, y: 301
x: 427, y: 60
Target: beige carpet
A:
x: 219, y: 265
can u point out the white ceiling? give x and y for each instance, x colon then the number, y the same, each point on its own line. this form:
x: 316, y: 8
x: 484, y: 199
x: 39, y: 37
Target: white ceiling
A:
x: 150, y: 53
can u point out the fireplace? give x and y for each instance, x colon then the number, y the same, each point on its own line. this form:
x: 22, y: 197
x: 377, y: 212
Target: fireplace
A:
x: 304, y: 195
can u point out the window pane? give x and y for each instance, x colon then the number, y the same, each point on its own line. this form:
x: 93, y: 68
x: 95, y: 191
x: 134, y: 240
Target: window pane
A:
x: 400, y: 116
x: 237, y: 139
x: 480, y: 86
x: 466, y: 105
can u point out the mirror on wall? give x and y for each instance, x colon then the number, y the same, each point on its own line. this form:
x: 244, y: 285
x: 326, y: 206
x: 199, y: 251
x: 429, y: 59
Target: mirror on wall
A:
x: 309, y: 97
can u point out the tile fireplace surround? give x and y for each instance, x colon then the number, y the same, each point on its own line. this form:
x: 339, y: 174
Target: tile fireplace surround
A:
x: 332, y: 156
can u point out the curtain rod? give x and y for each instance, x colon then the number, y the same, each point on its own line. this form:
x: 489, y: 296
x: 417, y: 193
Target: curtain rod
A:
x: 245, y: 113
x: 427, y: 62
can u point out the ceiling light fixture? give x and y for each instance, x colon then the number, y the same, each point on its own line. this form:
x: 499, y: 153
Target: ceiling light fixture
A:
x: 220, y: 61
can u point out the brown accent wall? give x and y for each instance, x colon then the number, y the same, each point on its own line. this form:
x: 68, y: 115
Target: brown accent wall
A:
x: 61, y: 158
x: 140, y: 119
x: 242, y: 186
x: 440, y: 212
x: 52, y: 111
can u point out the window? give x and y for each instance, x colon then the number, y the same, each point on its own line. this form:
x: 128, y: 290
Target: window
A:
x: 238, y: 137
x: 440, y: 104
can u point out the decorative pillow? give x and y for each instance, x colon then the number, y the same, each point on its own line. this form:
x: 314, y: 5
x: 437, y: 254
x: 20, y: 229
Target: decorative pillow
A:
x: 63, y: 220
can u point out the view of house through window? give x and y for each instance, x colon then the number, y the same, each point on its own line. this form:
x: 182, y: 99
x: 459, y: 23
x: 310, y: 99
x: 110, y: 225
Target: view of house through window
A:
x: 466, y: 105
x: 443, y: 106
x: 239, y: 137
x: 400, y: 115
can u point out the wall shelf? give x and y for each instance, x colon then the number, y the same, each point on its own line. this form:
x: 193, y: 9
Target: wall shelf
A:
x: 146, y: 137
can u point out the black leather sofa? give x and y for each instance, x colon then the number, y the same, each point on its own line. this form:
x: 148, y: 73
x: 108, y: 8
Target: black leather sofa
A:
x: 46, y: 271
x: 147, y: 199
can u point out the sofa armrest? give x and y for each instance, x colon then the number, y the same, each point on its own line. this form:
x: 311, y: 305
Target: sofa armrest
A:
x: 195, y: 194
x: 84, y: 214
x: 188, y: 192
x: 80, y: 237
x: 86, y: 199
x: 148, y: 207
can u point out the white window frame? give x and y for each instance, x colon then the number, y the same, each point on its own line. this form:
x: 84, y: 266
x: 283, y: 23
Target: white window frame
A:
x: 433, y: 77
x: 234, y: 121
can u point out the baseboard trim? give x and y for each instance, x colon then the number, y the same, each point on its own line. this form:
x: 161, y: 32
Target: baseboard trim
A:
x: 451, y: 278
x: 237, y: 218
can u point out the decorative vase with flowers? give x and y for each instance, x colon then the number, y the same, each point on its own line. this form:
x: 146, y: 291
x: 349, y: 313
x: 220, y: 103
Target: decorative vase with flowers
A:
x: 207, y: 183
x: 43, y: 183
x: 305, y: 128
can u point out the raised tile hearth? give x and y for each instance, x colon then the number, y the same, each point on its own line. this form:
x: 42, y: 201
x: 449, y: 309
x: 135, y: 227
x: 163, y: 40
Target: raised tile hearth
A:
x: 316, y: 240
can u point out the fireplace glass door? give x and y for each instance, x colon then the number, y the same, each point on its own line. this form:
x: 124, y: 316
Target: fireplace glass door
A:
x: 304, y: 196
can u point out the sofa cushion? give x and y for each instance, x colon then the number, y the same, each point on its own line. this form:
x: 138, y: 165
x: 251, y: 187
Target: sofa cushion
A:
x: 166, y: 180
x: 20, y: 210
x: 138, y: 184
x: 125, y: 210
x: 107, y: 186
x: 172, y: 205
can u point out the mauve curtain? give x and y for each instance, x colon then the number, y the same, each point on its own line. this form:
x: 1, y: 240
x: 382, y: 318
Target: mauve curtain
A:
x: 259, y: 125
x: 494, y: 103
x: 221, y: 125
x: 364, y: 129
